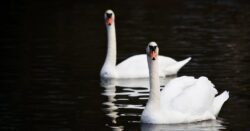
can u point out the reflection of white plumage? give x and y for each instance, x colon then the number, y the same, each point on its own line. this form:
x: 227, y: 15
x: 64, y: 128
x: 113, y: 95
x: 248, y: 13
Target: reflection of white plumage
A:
x: 213, y: 125
x: 134, y: 82
x: 184, y: 99
x: 111, y: 108
x: 135, y: 66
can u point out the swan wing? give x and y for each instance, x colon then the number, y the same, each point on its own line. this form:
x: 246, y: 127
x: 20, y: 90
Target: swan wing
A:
x: 132, y: 67
x: 194, y: 96
x: 175, y: 66
x: 175, y: 87
x: 219, y: 101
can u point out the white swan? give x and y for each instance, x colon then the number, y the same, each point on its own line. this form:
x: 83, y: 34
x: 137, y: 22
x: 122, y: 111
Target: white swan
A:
x: 183, y: 100
x: 135, y: 66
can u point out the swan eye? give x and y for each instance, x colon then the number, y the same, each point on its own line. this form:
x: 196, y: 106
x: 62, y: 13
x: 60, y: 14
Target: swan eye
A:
x: 109, y: 15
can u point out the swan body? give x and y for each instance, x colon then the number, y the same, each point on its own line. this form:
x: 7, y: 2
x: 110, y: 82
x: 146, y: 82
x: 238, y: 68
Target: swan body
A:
x: 183, y: 100
x: 135, y: 66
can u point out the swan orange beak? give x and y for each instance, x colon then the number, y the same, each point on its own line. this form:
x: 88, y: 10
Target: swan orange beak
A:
x: 109, y: 21
x: 153, y: 55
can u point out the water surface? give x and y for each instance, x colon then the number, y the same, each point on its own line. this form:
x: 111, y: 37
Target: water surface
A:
x: 52, y: 52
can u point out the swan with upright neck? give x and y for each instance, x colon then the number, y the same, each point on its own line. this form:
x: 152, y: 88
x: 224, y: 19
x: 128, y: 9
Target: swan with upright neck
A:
x: 135, y: 66
x: 183, y: 100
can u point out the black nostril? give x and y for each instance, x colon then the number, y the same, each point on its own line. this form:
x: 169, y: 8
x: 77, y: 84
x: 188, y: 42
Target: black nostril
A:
x: 109, y: 15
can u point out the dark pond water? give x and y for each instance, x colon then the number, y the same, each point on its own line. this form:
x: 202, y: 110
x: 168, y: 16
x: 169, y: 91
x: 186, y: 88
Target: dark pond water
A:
x: 52, y: 52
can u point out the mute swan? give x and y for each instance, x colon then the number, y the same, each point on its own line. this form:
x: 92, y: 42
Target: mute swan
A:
x: 183, y: 100
x: 135, y: 66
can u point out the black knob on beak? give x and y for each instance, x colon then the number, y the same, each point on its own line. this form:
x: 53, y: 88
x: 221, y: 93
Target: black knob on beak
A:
x: 152, y: 48
x: 109, y: 15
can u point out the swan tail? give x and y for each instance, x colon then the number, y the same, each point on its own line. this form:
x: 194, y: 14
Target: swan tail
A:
x: 219, y: 101
x: 173, y: 69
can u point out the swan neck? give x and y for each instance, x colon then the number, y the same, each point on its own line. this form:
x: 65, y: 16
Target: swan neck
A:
x: 154, y: 96
x: 111, y: 47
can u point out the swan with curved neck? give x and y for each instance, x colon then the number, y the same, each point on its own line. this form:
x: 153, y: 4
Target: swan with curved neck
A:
x: 183, y: 100
x: 135, y: 66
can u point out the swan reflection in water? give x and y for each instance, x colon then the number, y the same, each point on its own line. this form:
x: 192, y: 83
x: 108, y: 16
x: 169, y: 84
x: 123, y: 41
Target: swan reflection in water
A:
x: 136, y: 82
x: 209, y: 125
x: 125, y: 88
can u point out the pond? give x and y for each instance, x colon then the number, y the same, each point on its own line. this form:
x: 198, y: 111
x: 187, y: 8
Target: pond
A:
x: 52, y: 53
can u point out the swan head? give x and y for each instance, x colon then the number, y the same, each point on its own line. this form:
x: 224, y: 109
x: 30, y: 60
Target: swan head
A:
x: 109, y: 17
x: 152, y: 50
